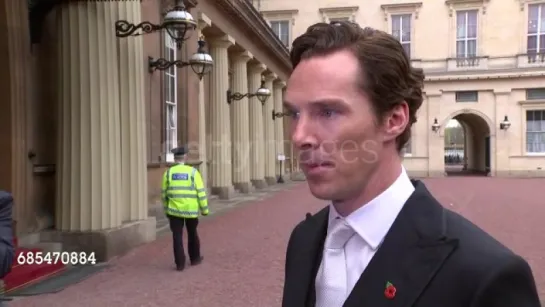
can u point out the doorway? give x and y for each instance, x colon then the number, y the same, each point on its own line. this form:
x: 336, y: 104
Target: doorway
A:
x: 467, y: 146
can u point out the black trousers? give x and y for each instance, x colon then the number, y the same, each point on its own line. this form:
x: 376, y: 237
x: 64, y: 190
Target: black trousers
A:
x: 193, y: 243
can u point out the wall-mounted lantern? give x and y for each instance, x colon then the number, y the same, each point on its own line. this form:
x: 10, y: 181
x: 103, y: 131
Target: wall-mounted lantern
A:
x: 435, y: 127
x: 276, y: 115
x: 505, y: 124
x: 178, y: 23
x: 201, y: 62
x: 262, y: 94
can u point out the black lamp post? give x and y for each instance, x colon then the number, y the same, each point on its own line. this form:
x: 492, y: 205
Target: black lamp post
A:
x: 262, y: 94
x: 201, y: 62
x: 178, y: 23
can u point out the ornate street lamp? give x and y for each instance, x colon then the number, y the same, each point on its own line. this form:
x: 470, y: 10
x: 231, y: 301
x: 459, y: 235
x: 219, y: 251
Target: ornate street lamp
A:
x: 178, y: 23
x: 201, y: 62
x: 262, y: 94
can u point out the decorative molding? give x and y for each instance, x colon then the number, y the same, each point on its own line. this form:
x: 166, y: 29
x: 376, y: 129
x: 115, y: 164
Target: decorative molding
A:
x: 339, y: 12
x: 523, y: 3
x: 532, y: 102
x: 396, y: 8
x: 254, y: 25
x: 454, y: 5
x: 277, y: 15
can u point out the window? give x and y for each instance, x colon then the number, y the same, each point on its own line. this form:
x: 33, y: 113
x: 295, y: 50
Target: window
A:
x: 467, y: 96
x: 171, y: 97
x: 466, y: 34
x: 401, y: 29
x: 535, y: 94
x: 339, y: 19
x: 536, y: 30
x: 282, y: 29
x: 535, y: 131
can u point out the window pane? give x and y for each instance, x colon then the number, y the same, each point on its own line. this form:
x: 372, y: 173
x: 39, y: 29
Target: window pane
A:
x: 542, y: 43
x: 472, y: 48
x: 406, y: 28
x: 472, y: 18
x: 166, y: 87
x: 532, y: 44
x: 407, y: 48
x: 460, y: 49
x: 461, y: 24
x: 172, y: 90
x: 535, y: 93
x: 396, y: 23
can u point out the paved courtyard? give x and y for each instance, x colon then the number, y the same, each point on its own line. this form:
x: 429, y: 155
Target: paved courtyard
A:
x: 244, y: 248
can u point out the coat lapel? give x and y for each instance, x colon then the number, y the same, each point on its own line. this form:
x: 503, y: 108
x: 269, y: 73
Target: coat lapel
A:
x: 411, y: 254
x: 309, y: 247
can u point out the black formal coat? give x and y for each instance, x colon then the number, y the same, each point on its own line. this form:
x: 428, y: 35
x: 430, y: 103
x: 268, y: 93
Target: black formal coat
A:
x: 433, y: 257
x: 7, y: 252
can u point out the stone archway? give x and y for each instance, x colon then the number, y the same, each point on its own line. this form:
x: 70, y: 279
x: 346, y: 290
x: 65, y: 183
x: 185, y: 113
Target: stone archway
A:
x: 476, y: 147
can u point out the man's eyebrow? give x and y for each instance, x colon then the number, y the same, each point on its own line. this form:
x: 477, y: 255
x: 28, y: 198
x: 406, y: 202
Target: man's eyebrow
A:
x: 287, y: 105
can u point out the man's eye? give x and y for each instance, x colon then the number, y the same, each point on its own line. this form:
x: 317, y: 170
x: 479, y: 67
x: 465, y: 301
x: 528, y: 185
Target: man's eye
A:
x: 327, y: 112
x: 293, y: 114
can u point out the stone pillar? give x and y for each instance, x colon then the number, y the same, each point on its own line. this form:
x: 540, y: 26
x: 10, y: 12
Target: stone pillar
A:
x: 257, y: 144
x: 279, y: 125
x: 133, y: 118
x: 268, y: 135
x: 436, y: 140
x: 241, y: 126
x: 15, y: 166
x: 204, y: 22
x: 222, y: 178
x: 89, y: 169
x: 500, y: 145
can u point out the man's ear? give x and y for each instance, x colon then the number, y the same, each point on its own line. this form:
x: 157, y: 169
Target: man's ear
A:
x: 396, y: 121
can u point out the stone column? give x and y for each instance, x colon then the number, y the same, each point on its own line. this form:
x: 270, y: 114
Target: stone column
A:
x: 222, y: 178
x: 257, y: 144
x: 15, y: 166
x: 268, y: 135
x: 436, y: 140
x: 241, y: 126
x: 133, y: 118
x: 89, y: 158
x: 500, y: 139
x: 279, y: 125
x: 89, y: 169
x: 204, y: 22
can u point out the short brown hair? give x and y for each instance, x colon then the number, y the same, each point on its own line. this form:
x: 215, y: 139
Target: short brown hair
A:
x: 387, y: 76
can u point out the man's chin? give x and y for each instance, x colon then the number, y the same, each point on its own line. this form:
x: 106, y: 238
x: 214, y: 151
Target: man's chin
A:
x: 321, y: 191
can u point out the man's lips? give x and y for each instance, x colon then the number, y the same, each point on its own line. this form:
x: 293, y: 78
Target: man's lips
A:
x: 318, y: 164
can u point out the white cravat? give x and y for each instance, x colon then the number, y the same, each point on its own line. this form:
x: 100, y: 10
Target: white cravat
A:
x: 331, y: 280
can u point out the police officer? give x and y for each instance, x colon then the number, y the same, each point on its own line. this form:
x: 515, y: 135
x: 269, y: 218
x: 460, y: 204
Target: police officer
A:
x: 184, y: 197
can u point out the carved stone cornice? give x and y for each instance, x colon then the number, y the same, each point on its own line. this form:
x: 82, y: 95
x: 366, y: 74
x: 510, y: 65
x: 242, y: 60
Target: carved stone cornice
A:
x: 243, y: 12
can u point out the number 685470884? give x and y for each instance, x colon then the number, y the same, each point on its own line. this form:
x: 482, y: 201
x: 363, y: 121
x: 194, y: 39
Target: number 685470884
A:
x: 66, y: 258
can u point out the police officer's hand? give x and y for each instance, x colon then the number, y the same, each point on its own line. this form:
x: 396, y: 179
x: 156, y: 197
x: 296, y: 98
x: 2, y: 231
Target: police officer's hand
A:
x: 204, y: 214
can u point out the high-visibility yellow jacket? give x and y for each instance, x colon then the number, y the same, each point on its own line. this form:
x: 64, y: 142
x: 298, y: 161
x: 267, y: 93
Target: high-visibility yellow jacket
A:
x: 184, y: 194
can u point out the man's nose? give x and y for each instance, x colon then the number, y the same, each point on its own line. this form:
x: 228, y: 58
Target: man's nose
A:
x: 303, y: 137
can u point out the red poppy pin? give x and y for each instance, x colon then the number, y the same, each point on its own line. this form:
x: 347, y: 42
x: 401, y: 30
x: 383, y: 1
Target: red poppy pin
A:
x: 390, y: 291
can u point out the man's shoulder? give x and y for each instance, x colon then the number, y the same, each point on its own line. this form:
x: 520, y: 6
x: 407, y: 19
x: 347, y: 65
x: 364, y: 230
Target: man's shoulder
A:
x: 476, y: 246
x: 5, y: 198
x: 309, y: 220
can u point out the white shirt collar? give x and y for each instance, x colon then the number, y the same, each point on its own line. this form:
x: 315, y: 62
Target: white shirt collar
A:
x: 373, y: 220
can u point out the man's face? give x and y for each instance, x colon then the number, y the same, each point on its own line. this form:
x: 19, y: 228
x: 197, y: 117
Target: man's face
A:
x: 334, y: 130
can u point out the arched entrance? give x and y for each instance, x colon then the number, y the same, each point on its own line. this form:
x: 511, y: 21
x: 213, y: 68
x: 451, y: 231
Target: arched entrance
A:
x: 467, y: 144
